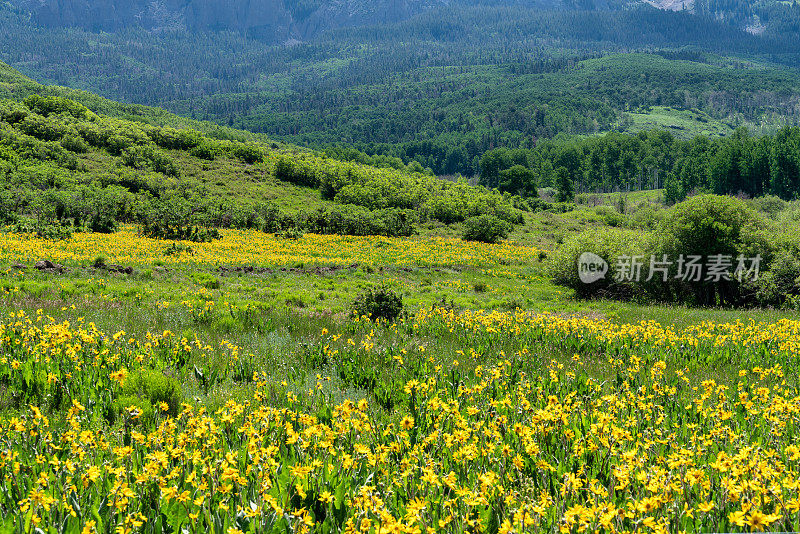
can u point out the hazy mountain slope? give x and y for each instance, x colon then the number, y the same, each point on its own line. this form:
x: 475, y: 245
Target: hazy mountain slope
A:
x: 267, y: 20
x: 450, y: 80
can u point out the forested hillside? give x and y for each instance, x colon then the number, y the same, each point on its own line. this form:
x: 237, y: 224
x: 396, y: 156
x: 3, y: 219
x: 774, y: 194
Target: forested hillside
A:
x: 269, y: 21
x: 444, y: 84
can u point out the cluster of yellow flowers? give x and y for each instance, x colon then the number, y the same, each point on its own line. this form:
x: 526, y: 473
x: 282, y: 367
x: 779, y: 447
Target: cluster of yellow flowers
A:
x: 490, y: 449
x: 591, y: 334
x: 46, y: 362
x: 250, y: 247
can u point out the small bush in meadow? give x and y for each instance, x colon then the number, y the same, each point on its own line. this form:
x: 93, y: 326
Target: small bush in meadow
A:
x: 379, y: 303
x: 486, y: 229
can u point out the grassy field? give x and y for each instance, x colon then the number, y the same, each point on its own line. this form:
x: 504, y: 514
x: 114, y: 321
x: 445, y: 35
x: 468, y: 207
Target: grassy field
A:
x: 157, y: 386
x: 690, y: 123
x: 683, y: 124
x: 229, y: 389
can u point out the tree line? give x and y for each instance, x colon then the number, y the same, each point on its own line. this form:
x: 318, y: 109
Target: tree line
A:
x: 741, y: 164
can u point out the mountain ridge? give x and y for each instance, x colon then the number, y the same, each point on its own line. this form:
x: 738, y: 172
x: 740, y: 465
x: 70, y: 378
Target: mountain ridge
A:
x: 267, y: 20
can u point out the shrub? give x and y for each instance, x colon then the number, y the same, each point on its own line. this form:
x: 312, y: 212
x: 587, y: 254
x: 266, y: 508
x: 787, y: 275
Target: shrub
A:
x: 148, y: 390
x: 173, y: 139
x: 175, y: 249
x: 179, y: 232
x: 136, y: 157
x: 769, y: 204
x: 645, y: 217
x: 353, y: 220
x: 248, y: 153
x: 486, y: 229
x: 703, y: 226
x: 610, y: 216
x: 116, y: 144
x: 45, y: 105
x: 519, y: 180
x: 45, y: 230
x: 75, y: 143
x: 12, y: 112
x: 706, y: 225
x: 164, y: 164
x: 291, y: 232
x: 608, y: 244
x: 204, y: 150
x: 298, y: 172
x: 43, y: 128
x: 378, y: 303
x: 780, y: 283
x: 102, y: 222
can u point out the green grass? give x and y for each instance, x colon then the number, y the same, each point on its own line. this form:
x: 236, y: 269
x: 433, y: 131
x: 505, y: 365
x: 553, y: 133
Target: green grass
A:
x: 683, y: 124
x: 137, y: 302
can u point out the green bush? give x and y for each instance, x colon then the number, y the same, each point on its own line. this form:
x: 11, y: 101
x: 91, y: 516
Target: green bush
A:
x: 54, y: 231
x: 204, y: 150
x: 46, y: 105
x: 646, y: 217
x: 609, y: 244
x: 780, y: 282
x: 173, y: 139
x: 706, y: 225
x: 379, y: 303
x: 44, y: 128
x: 610, y: 216
x: 248, y: 153
x: 703, y: 226
x: 13, y: 112
x: 769, y: 204
x: 291, y: 232
x: 486, y: 229
x: 75, y: 143
x: 179, y: 232
x: 354, y: 220
x: 206, y: 280
x: 102, y: 223
x: 296, y: 171
x: 156, y: 388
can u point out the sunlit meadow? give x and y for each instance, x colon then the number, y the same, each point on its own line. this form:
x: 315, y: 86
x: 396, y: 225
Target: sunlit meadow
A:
x: 446, y: 420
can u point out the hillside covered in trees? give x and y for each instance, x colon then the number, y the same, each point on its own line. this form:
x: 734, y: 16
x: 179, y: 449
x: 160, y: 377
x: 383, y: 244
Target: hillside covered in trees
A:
x: 436, y: 84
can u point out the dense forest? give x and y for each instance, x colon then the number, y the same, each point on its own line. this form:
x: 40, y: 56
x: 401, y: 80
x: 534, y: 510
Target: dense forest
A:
x: 444, y: 86
x: 737, y: 165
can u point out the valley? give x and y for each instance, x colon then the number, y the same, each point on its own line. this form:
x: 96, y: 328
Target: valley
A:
x: 399, y: 266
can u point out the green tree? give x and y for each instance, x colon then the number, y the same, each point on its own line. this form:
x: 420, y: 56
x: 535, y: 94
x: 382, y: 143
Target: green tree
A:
x: 564, y: 185
x: 518, y: 180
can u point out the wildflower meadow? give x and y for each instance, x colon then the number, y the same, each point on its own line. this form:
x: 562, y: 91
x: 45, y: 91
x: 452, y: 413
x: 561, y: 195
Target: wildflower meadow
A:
x: 160, y: 413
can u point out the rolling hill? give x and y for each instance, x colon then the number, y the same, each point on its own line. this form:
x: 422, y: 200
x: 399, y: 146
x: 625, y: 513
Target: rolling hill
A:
x: 95, y: 167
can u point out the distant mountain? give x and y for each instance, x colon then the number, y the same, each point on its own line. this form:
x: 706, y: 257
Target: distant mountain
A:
x: 267, y: 20
x: 436, y: 82
x: 272, y: 21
